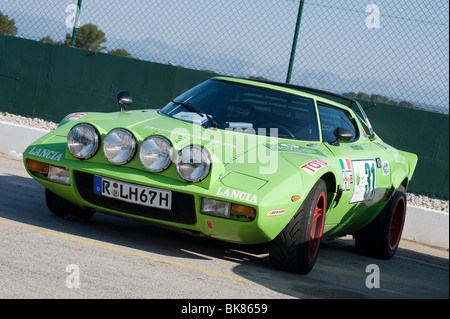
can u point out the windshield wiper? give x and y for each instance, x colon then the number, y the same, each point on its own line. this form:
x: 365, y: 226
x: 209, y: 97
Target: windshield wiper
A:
x: 188, y: 106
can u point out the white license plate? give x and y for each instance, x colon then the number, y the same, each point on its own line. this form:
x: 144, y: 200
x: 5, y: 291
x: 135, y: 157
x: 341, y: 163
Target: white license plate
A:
x: 132, y: 193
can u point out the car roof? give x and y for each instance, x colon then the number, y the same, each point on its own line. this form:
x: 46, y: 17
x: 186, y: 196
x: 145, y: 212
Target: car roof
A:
x: 317, y: 93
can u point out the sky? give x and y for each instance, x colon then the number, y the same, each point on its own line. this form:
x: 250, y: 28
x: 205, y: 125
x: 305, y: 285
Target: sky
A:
x: 405, y: 57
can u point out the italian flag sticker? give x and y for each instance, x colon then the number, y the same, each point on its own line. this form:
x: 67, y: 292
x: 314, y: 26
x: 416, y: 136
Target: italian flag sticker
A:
x: 345, y: 164
x: 347, y: 176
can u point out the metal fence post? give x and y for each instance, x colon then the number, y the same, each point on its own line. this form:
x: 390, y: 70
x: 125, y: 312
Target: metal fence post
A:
x: 294, y: 42
x: 75, y: 25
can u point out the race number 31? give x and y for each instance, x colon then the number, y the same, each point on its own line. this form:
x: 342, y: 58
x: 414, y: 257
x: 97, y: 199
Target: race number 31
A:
x: 365, y: 180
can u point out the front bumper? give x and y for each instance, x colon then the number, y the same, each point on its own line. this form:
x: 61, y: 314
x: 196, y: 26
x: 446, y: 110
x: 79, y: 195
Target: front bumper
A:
x: 185, y: 212
x: 182, y: 209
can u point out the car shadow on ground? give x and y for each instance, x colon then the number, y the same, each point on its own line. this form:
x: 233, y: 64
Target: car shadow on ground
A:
x: 24, y: 202
x: 339, y: 272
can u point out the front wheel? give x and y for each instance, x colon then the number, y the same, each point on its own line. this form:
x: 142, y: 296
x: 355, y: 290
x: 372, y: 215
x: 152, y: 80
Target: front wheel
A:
x: 296, y: 248
x: 381, y: 237
x: 63, y: 208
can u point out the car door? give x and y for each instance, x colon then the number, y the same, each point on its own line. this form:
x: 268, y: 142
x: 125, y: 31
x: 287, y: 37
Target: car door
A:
x: 363, y: 168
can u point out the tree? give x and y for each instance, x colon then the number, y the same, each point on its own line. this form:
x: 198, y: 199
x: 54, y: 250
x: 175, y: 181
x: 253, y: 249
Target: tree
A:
x: 89, y: 37
x: 259, y: 77
x: 362, y: 96
x: 48, y: 39
x: 406, y: 104
x: 351, y: 95
x: 378, y: 98
x: 7, y: 26
x: 121, y: 52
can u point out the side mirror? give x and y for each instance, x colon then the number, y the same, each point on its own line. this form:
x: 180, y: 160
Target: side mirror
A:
x: 342, y: 135
x: 124, y: 99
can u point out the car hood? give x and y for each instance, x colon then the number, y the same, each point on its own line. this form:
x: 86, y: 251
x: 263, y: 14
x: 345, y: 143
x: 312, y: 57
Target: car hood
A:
x: 242, y: 161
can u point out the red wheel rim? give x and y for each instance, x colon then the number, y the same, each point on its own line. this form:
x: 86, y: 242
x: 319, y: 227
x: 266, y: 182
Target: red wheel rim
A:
x: 396, y: 226
x: 317, y: 227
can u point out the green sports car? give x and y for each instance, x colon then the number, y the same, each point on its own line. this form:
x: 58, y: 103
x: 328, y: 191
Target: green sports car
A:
x: 238, y: 160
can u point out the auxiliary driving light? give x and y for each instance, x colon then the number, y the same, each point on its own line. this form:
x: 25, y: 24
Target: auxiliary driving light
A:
x: 156, y: 154
x: 119, y: 146
x: 193, y: 163
x: 83, y: 141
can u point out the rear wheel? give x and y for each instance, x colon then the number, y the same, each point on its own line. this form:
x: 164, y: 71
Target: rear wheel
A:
x: 296, y: 248
x: 381, y: 237
x: 63, y: 208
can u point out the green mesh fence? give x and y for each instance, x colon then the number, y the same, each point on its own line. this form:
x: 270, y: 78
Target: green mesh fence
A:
x: 387, y: 51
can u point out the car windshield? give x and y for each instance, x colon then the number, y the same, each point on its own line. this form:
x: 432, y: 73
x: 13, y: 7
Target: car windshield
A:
x: 250, y: 109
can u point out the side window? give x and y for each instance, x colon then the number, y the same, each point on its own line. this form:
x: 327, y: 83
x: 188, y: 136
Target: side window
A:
x: 331, y: 118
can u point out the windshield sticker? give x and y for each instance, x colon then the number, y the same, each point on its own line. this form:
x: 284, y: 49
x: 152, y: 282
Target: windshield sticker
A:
x: 238, y: 109
x: 314, y: 166
x: 45, y: 153
x: 232, y: 193
x: 191, y: 117
x: 365, y: 180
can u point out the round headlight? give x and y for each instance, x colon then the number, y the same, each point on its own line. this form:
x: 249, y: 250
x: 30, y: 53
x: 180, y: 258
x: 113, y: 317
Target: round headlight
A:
x: 156, y: 154
x: 82, y: 141
x: 119, y: 146
x: 193, y: 163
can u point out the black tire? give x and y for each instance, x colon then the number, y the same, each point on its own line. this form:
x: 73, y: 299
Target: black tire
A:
x: 381, y: 237
x: 296, y: 248
x: 65, y: 209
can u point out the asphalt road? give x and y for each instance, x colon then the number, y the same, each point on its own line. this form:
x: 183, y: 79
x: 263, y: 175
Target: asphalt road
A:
x: 43, y: 256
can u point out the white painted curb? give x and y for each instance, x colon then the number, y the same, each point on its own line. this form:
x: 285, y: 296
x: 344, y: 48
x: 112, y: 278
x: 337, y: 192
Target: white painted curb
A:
x: 14, y: 138
x: 422, y: 225
x: 426, y: 226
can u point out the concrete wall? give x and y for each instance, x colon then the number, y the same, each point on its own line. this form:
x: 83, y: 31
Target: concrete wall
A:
x: 50, y: 81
